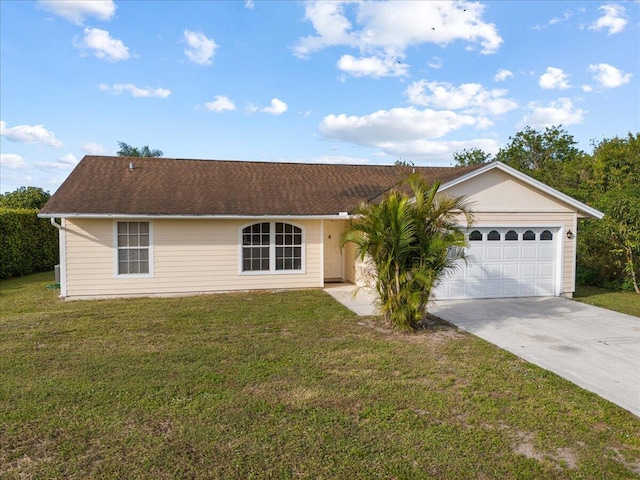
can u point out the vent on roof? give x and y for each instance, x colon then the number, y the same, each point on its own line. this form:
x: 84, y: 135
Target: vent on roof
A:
x: 131, y: 166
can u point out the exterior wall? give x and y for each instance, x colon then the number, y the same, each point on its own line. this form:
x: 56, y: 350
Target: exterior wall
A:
x: 501, y: 200
x: 189, y: 256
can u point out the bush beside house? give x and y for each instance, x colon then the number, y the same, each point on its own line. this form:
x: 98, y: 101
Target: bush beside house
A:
x: 28, y: 244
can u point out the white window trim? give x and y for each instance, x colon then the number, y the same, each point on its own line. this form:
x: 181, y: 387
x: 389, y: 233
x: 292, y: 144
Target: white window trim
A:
x: 272, y: 250
x: 115, y: 250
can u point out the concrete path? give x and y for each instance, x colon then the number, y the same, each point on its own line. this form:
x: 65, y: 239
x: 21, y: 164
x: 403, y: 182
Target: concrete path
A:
x: 595, y: 348
x: 358, y: 300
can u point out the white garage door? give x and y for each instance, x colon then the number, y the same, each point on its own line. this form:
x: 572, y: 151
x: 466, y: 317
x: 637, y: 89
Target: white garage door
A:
x: 505, y: 262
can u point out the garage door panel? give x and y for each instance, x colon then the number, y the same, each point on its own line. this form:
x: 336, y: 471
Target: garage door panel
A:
x: 527, y: 289
x: 546, y: 252
x: 506, y: 268
x: 528, y: 270
x: 545, y: 270
x: 529, y: 252
x: 546, y: 287
x: 475, y: 272
x: 473, y: 290
x: 510, y: 288
x: 493, y: 289
x: 511, y: 270
x: 493, y: 270
x: 511, y: 252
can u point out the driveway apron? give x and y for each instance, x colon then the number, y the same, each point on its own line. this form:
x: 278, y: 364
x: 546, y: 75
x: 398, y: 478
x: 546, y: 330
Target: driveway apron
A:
x: 595, y: 348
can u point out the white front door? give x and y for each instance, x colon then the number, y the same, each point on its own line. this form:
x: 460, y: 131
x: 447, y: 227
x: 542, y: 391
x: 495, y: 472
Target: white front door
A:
x: 333, y: 264
x: 505, y: 262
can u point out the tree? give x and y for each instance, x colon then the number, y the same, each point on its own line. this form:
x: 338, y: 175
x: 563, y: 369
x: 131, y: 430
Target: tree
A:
x: 622, y: 226
x: 127, y: 150
x: 549, y: 156
x: 410, y: 240
x: 25, y: 197
x: 471, y: 156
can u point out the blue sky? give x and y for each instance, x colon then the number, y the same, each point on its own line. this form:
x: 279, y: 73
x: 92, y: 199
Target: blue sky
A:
x: 328, y: 82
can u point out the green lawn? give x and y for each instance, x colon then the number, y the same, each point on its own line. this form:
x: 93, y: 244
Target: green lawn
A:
x: 280, y: 385
x: 625, y: 302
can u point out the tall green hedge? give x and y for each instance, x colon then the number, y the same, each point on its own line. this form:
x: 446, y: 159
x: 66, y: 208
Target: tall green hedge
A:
x: 27, y: 243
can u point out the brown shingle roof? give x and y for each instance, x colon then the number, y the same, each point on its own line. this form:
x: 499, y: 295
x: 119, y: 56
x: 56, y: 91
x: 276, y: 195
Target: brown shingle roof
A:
x: 163, y: 186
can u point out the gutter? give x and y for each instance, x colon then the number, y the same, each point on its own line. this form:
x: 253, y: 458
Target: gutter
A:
x: 53, y: 216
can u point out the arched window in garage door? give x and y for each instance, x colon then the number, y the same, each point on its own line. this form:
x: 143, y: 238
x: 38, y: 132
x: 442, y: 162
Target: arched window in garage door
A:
x: 475, y: 236
x: 511, y: 235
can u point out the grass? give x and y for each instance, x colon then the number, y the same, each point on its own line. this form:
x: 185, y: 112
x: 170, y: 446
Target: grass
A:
x: 280, y: 385
x: 625, y: 302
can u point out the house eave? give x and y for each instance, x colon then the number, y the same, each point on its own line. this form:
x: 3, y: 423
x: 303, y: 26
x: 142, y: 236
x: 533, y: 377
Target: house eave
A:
x: 584, y: 211
x: 102, y: 216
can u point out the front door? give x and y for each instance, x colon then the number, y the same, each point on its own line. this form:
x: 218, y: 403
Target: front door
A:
x: 333, y: 263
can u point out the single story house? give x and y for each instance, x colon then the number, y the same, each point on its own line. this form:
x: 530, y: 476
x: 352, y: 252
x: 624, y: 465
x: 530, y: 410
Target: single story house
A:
x: 160, y: 226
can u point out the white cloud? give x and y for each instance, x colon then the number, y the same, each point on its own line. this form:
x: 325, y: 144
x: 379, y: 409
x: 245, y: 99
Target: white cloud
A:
x: 372, y: 66
x: 65, y: 162
x: 137, y: 92
x: 12, y: 160
x: 391, y: 127
x: 220, y: 104
x: 614, y: 19
x: 385, y: 29
x: 566, y: 16
x: 249, y: 4
x: 435, y: 63
x: 200, y: 49
x: 277, y: 107
x: 559, y: 112
x: 438, y: 151
x: 76, y: 11
x: 103, y: 46
x: 468, y: 97
x: 554, y: 78
x: 29, y: 134
x: 93, y: 148
x: 502, y: 75
x: 405, y: 132
x: 609, y: 76
x: 587, y: 88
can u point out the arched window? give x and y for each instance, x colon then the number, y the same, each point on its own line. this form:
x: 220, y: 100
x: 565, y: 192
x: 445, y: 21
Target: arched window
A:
x: 272, y: 247
x: 511, y: 235
x: 546, y: 235
x: 493, y: 235
x: 529, y: 235
x: 475, y: 236
x: 288, y: 247
x: 255, y: 247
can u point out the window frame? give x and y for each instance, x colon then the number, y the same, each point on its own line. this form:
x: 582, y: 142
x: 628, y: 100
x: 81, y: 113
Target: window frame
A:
x: 116, y: 248
x: 272, y: 249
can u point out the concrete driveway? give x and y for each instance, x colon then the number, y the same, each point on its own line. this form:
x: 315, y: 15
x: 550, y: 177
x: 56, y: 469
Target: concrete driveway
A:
x: 597, y: 349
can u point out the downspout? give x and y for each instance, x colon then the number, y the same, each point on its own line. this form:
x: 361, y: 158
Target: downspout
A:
x: 62, y: 239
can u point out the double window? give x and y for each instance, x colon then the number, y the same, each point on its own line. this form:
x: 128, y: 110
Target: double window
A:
x: 133, y: 240
x: 272, y: 247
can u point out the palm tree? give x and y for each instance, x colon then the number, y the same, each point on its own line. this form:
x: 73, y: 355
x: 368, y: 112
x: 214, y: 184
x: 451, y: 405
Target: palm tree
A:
x: 410, y: 240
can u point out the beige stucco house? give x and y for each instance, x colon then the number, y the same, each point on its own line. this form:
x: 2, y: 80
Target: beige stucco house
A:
x: 159, y: 226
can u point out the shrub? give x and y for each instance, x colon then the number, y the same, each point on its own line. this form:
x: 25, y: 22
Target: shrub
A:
x: 28, y: 244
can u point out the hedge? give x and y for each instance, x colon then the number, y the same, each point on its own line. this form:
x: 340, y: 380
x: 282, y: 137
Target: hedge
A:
x: 28, y: 244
